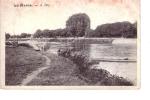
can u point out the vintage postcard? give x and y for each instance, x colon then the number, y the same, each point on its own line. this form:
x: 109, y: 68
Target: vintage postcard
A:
x: 70, y: 44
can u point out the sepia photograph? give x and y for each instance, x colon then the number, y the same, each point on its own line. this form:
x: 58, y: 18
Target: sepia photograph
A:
x: 70, y: 44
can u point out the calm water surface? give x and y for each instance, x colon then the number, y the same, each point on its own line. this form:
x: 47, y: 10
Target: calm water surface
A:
x: 112, y: 51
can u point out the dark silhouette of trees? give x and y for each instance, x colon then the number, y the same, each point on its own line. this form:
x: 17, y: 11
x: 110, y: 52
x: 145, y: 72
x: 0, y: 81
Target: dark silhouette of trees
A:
x: 119, y: 29
x: 78, y: 24
x: 22, y: 35
x: 25, y: 35
x: 90, y: 33
x: 135, y: 29
x: 38, y: 34
x: 7, y: 36
x: 15, y: 36
x: 51, y: 33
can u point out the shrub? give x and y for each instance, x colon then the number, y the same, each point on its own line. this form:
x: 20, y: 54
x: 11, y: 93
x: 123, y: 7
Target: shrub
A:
x: 25, y: 45
x: 92, y: 76
x: 79, y: 59
x: 46, y: 46
x: 103, y: 77
x: 14, y: 43
x: 64, y: 52
x: 7, y: 36
x: 8, y: 43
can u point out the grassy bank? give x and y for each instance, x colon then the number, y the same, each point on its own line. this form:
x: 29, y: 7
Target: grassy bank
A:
x: 68, y: 72
x: 92, y: 76
x: 21, y: 61
x: 60, y: 72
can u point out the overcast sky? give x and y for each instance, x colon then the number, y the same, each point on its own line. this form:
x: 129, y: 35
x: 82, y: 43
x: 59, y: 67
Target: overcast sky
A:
x: 16, y: 20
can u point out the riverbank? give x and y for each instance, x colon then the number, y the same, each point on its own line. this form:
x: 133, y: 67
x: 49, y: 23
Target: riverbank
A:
x: 80, y: 40
x: 60, y: 72
x: 25, y: 66
x: 63, y: 71
x: 86, y: 71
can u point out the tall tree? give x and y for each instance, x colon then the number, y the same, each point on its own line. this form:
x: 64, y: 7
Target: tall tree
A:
x: 37, y: 34
x: 78, y: 24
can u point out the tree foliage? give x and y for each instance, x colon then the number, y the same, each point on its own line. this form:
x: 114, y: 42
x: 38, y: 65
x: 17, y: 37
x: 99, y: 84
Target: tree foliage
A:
x: 51, y: 33
x: 78, y: 24
x: 22, y: 35
x: 119, y: 29
x: 25, y: 35
x: 7, y: 36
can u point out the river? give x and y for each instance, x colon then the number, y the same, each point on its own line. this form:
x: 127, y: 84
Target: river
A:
x: 118, y: 57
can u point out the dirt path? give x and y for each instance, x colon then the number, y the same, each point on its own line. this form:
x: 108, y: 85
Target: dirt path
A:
x: 33, y: 75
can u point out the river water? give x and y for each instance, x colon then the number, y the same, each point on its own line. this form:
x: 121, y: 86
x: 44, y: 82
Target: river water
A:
x: 126, y: 69
x: 112, y: 53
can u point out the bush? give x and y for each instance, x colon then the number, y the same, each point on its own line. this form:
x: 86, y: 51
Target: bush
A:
x: 92, y: 76
x: 79, y: 59
x: 7, y: 36
x: 25, y: 45
x: 8, y: 43
x: 103, y: 77
x: 64, y: 52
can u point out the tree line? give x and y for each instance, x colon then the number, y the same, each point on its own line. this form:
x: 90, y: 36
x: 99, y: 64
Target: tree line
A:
x: 118, y: 29
x: 78, y: 25
x: 22, y: 35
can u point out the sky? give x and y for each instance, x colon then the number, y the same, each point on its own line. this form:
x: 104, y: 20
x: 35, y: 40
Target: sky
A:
x: 16, y: 20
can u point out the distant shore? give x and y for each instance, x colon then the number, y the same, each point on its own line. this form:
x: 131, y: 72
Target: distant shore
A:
x: 80, y: 40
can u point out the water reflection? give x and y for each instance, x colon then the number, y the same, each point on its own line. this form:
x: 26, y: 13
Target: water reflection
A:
x: 106, y: 51
x: 113, y: 51
x: 99, y: 51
